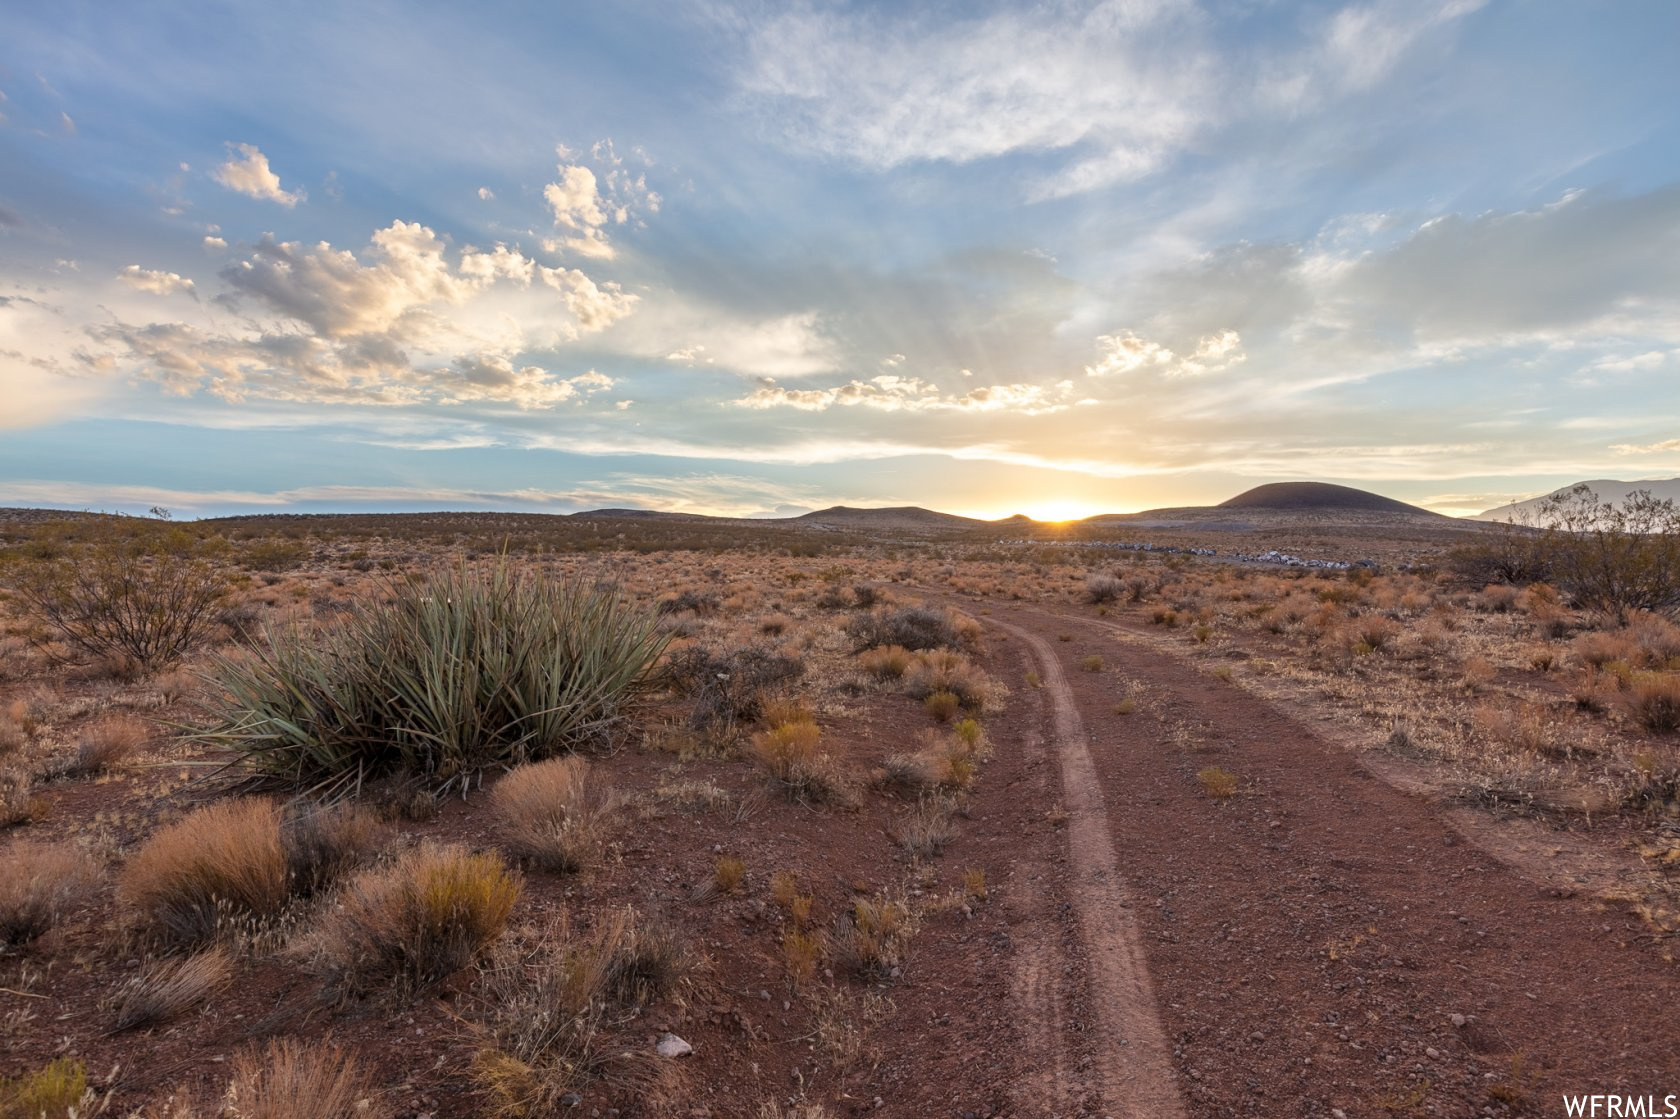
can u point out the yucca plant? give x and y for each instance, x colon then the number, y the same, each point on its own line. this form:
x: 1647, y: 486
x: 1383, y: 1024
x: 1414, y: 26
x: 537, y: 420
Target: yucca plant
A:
x: 467, y: 669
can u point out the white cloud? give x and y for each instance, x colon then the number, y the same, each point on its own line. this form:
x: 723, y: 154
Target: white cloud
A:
x: 891, y: 393
x: 584, y: 210
x: 1126, y: 353
x: 215, y: 243
x: 485, y: 194
x: 247, y: 172
x: 156, y: 283
x: 1120, y: 84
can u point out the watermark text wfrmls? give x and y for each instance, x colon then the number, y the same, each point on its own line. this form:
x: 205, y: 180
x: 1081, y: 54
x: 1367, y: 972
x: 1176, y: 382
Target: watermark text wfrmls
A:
x: 1623, y: 1107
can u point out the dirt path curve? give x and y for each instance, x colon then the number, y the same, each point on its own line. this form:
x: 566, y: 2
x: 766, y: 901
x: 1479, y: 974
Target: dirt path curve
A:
x: 1133, y: 1068
x: 1321, y: 943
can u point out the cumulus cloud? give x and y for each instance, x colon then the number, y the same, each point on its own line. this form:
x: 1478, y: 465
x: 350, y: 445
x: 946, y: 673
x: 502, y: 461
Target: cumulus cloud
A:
x: 892, y: 393
x: 1665, y: 446
x: 584, y: 204
x: 407, y: 321
x: 246, y: 171
x: 154, y: 282
x: 303, y: 369
x: 1126, y: 353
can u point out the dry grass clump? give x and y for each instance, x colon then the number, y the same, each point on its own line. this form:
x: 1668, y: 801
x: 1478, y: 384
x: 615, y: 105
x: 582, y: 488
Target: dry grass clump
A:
x: 291, y: 1079
x: 1101, y: 589
x: 728, y: 872
x: 1092, y: 663
x: 1597, y: 648
x: 37, y: 884
x: 802, y: 951
x: 416, y: 922
x: 915, y: 628
x: 106, y: 745
x: 925, y: 829
x: 1653, y: 700
x: 803, y: 1109
x: 792, y: 755
x: 1217, y: 783
x: 942, y: 705
x: 555, y: 813
x: 18, y: 802
x: 169, y: 989
x: 885, y: 662
x: 945, y: 671
x: 546, y: 1009
x: 223, y: 861
x: 941, y: 760
x: 57, y: 1090
x: 324, y: 843
x: 870, y: 944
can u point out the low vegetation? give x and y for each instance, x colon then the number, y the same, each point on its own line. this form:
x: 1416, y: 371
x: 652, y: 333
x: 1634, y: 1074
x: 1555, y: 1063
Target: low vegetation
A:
x: 468, y: 669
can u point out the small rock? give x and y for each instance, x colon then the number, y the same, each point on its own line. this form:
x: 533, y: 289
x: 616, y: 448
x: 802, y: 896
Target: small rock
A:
x: 570, y: 1099
x: 1337, y: 1113
x: 1458, y: 1020
x: 673, y: 1046
x: 1432, y: 1053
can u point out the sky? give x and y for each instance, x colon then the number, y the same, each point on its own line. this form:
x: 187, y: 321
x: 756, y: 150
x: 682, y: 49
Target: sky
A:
x: 755, y: 259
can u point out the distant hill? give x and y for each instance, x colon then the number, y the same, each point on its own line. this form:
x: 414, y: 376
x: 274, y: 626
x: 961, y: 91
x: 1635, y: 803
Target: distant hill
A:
x: 1310, y: 496
x: 1607, y: 489
x: 899, y: 517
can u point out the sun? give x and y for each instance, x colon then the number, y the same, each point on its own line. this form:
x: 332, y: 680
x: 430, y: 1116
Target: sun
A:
x: 1062, y: 509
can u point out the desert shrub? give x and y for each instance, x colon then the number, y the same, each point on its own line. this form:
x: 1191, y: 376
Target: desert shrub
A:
x: 913, y: 627
x: 924, y: 829
x: 1101, y: 589
x: 870, y: 943
x: 453, y: 674
x: 324, y: 843
x: 54, y: 1091
x: 885, y: 662
x: 802, y: 950
x: 1092, y: 663
x: 1657, y: 638
x: 37, y: 884
x: 169, y: 989
x: 147, y: 599
x: 646, y: 960
x: 728, y: 873
x: 793, y: 756
x: 1614, y: 558
x: 698, y: 602
x: 1653, y: 699
x: 544, y: 1011
x: 291, y: 1079
x: 220, y: 862
x: 104, y: 746
x: 18, y: 803
x: 416, y: 922
x: 1597, y: 649
x: 942, y: 705
x: 729, y: 687
x: 555, y: 813
x: 1217, y: 783
x: 944, y: 671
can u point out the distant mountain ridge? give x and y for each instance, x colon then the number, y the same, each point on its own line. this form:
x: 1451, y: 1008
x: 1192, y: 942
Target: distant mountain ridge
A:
x: 1609, y: 490
x: 898, y: 516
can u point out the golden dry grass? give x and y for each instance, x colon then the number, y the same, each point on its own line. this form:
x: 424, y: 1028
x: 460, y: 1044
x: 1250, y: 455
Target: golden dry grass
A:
x: 38, y: 883
x: 417, y: 921
x: 221, y: 863
x: 555, y: 813
x: 294, y: 1079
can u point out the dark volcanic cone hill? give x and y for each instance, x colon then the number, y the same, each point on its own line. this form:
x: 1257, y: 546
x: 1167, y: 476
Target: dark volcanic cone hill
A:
x: 1304, y: 497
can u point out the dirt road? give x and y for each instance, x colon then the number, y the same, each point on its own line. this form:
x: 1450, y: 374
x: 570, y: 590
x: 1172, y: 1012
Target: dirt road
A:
x: 1318, y: 943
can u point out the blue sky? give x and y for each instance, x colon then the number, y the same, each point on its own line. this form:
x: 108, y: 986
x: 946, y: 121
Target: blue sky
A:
x: 751, y: 259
